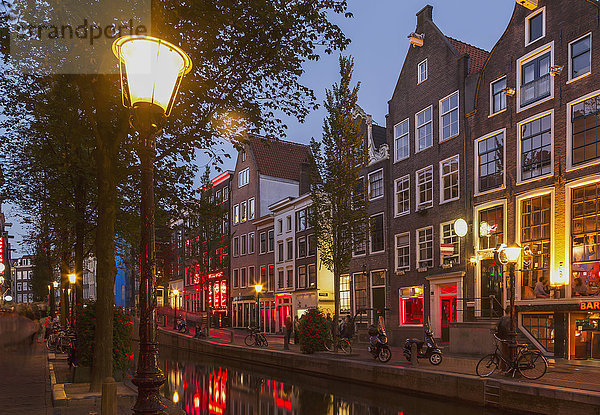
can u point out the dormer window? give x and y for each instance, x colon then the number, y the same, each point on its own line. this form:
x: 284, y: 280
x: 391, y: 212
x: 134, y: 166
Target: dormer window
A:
x: 422, y: 71
x: 535, y: 26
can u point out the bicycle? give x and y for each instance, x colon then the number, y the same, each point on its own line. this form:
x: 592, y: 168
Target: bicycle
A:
x: 530, y: 363
x: 343, y: 344
x: 256, y: 338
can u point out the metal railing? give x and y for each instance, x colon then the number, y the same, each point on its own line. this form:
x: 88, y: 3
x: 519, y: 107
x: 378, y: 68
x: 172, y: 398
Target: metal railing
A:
x: 479, y: 308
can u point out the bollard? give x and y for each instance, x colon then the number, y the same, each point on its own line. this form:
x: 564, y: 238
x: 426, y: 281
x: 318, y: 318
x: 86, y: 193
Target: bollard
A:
x: 109, y: 397
x: 414, y: 360
x: 231, y: 334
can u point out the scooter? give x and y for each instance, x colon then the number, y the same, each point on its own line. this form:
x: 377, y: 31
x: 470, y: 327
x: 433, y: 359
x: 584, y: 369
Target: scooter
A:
x: 427, y: 349
x: 378, y: 344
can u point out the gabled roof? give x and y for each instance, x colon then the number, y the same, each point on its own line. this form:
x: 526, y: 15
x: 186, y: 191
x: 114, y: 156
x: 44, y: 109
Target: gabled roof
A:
x: 477, y: 56
x: 278, y: 158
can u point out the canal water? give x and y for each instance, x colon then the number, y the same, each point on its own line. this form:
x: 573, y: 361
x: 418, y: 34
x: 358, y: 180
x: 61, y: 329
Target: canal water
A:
x: 203, y: 385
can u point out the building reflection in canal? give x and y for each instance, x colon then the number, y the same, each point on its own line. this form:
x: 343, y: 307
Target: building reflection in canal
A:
x: 203, y: 386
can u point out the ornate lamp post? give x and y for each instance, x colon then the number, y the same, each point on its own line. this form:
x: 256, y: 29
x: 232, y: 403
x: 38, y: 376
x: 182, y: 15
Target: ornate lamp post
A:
x: 72, y: 281
x: 511, y: 255
x: 151, y: 71
x: 258, y: 288
x: 53, y: 299
x: 175, y: 299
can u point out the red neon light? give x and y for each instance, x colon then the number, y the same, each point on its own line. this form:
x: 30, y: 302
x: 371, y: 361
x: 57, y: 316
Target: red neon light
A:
x: 215, y: 275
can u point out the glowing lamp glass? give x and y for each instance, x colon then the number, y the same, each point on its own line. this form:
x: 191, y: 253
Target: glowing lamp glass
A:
x: 152, y: 69
x: 72, y: 278
x: 460, y: 227
x: 2, y: 267
x: 8, y: 298
x: 258, y: 287
x: 55, y: 283
x: 176, y: 292
x: 512, y: 253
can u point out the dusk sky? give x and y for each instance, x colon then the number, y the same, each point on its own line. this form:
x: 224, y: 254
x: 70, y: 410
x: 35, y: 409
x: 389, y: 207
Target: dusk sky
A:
x: 378, y: 31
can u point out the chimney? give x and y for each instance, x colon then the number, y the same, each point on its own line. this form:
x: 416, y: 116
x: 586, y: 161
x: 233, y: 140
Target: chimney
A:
x: 304, y: 185
x: 426, y: 13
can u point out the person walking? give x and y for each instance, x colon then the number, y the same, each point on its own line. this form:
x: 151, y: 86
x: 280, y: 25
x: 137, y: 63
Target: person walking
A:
x: 288, y: 332
x: 296, y: 330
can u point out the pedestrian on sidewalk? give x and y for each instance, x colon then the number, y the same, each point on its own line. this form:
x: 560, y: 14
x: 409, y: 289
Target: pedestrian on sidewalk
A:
x: 296, y: 330
x: 288, y: 332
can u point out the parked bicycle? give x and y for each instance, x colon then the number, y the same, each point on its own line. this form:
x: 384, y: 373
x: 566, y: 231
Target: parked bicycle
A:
x: 59, y: 341
x: 343, y: 344
x: 530, y: 363
x: 256, y: 338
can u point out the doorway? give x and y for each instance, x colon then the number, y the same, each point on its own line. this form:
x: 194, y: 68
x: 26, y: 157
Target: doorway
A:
x: 491, y: 285
x: 448, y: 304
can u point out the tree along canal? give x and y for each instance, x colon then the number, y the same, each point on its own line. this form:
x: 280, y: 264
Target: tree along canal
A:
x: 202, y: 385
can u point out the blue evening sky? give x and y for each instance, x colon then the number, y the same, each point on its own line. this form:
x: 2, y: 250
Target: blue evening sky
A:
x: 379, y: 31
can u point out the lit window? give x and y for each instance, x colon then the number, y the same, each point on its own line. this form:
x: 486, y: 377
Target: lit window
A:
x: 491, y: 226
x: 376, y: 185
x: 585, y: 236
x: 411, y: 305
x: 498, y: 98
x: 344, y: 293
x: 536, y: 147
x: 422, y: 71
x: 312, y: 275
x: 402, y: 195
x: 449, y: 117
x: 449, y: 179
x: 451, y: 238
x: 425, y: 188
x: 585, y: 140
x: 424, y: 125
x: 401, y: 140
x: 490, y: 162
x: 403, y: 251
x: 243, y: 212
x: 251, y: 209
x: 236, y: 214
x: 580, y: 52
x: 425, y: 247
x: 535, y: 235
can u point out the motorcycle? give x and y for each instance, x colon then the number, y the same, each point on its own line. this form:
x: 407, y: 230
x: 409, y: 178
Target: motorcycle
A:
x: 427, y: 349
x: 378, y: 344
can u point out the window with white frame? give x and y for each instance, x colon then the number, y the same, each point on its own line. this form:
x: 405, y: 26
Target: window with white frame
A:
x: 376, y: 184
x: 236, y: 278
x: 401, y: 140
x: 312, y: 245
x: 263, y: 242
x: 359, y: 241
x: 251, y: 243
x: 377, y: 233
x: 422, y: 71
x: 535, y: 78
x: 244, y: 177
x: 535, y: 26
x: 280, y: 278
x: 585, y: 136
x: 280, y: 257
x: 424, y: 128
x: 225, y: 193
x: 288, y: 223
x: 402, y: 195
x: 449, y: 117
x: 279, y: 226
x: 451, y: 238
x: 271, y: 241
x: 449, y: 179
x: 425, y: 247
x: 243, y: 244
x: 580, y: 56
x: 301, y: 277
x: 236, y: 246
x: 243, y: 211
x: 301, y: 242
x: 290, y: 249
x: 344, y: 293
x: 498, y: 97
x: 403, y: 251
x: 243, y: 280
x: 251, y: 208
x: 536, y: 147
x: 236, y: 214
x: 424, y: 188
x: 490, y: 162
x: 302, y: 219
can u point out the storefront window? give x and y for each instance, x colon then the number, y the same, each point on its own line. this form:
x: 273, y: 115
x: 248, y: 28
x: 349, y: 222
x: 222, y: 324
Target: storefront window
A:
x: 541, y: 327
x: 535, y: 238
x: 585, y: 240
x: 491, y: 226
x: 411, y: 305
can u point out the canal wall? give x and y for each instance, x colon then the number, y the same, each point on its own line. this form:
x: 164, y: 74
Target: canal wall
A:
x: 499, y: 393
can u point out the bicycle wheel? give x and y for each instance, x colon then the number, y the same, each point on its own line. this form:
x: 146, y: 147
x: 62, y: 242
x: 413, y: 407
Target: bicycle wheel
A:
x: 345, y: 346
x: 264, y: 341
x: 250, y: 340
x: 385, y: 354
x: 487, y: 365
x: 328, y: 343
x: 532, y: 364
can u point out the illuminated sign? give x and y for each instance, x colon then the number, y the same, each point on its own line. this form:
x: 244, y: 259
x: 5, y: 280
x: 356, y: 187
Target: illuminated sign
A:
x: 590, y: 305
x: 1, y: 251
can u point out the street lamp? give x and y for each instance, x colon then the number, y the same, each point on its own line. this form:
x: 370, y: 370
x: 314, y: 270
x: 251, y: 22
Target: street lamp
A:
x: 72, y: 280
x: 510, y: 256
x: 53, y: 299
x: 151, y: 71
x: 175, y: 298
x: 258, y: 288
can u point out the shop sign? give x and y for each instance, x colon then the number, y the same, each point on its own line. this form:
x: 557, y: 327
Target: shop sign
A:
x: 589, y: 305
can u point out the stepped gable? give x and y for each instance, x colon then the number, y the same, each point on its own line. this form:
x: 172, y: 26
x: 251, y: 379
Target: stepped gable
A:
x: 278, y: 158
x: 477, y: 56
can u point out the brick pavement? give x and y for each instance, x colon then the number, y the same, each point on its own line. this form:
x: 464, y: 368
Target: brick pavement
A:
x: 562, y: 373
